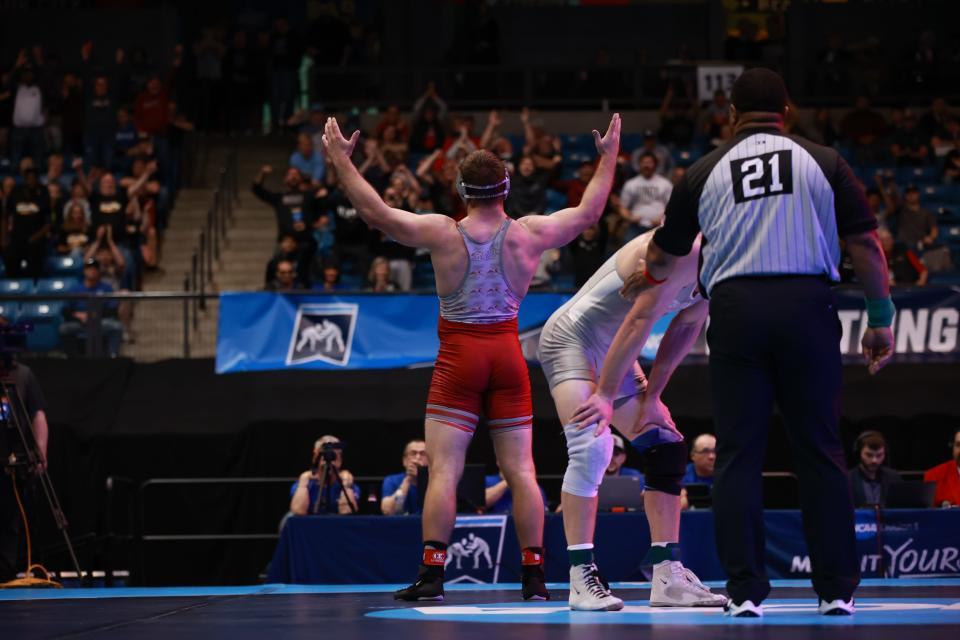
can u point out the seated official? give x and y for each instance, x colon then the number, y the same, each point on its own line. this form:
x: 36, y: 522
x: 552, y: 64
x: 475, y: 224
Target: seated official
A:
x: 498, y: 497
x: 947, y: 477
x: 339, y: 495
x: 399, y: 494
x: 616, y: 468
x: 703, y: 458
x: 870, y: 480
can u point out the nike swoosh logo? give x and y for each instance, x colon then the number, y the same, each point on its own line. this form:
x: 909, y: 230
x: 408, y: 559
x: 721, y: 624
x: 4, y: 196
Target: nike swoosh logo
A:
x: 664, y: 581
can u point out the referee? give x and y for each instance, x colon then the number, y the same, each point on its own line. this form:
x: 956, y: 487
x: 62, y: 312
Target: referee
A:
x: 772, y: 209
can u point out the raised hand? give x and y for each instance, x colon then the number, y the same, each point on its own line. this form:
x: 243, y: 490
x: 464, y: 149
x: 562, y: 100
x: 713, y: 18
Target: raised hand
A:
x: 494, y: 119
x: 877, y: 344
x: 525, y: 115
x: 609, y: 144
x: 335, y: 143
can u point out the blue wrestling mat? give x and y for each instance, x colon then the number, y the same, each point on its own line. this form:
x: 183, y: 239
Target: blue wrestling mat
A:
x: 921, y: 609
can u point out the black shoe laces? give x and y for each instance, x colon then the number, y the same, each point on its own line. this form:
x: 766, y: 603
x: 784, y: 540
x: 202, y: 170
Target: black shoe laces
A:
x: 593, y: 582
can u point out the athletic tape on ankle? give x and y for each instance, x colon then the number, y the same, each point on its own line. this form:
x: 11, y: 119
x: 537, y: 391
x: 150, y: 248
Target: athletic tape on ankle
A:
x: 531, y: 557
x: 434, y: 557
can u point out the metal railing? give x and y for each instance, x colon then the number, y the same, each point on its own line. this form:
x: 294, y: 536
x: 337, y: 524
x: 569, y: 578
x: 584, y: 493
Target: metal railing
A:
x: 212, y: 238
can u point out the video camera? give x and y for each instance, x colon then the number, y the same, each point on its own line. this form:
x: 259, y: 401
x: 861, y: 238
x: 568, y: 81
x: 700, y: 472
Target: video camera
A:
x: 328, y: 453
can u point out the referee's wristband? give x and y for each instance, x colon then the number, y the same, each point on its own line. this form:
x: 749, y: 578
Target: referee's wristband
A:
x: 880, y: 312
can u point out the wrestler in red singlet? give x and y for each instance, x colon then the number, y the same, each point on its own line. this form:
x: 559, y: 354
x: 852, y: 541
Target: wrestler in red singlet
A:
x: 483, y: 265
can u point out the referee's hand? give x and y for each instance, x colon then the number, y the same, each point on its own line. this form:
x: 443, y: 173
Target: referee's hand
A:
x: 877, y: 346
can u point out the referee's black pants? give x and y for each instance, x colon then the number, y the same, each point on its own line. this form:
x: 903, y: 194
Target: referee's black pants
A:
x: 777, y: 340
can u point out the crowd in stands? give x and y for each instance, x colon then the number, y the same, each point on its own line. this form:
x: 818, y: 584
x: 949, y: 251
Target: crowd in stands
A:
x: 89, y: 168
x: 871, y: 479
x: 909, y: 166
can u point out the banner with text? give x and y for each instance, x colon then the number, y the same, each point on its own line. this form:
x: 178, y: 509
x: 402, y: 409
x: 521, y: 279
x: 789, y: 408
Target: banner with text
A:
x: 264, y: 331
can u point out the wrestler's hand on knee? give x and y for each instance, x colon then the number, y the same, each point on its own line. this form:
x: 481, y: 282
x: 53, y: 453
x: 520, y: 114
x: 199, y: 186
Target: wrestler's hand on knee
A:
x: 596, y: 409
x: 654, y: 413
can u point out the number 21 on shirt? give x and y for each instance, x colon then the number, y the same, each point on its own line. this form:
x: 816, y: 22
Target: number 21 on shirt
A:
x: 769, y: 174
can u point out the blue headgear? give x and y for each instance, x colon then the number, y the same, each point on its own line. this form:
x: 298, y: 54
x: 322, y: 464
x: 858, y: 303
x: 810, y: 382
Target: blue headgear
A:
x: 482, y: 192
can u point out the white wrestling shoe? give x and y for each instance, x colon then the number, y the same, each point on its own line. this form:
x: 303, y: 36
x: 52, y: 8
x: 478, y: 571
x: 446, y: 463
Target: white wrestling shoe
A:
x: 837, y: 608
x: 587, y: 592
x: 744, y: 610
x: 673, y: 585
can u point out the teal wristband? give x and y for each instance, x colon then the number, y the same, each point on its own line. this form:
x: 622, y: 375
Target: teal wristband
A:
x: 880, y: 312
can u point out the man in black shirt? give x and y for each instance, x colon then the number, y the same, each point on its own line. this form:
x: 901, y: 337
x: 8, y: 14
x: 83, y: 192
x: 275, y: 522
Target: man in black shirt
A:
x: 29, y: 225
x: 293, y: 206
x: 870, y: 479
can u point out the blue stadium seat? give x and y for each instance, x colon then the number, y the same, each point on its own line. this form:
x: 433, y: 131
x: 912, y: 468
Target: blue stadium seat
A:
x: 917, y: 175
x: 948, y: 193
x: 55, y: 285
x: 45, y: 318
x: 686, y: 156
x: 950, y: 234
x: 22, y: 285
x: 555, y: 201
x: 10, y: 311
x: 3, y: 268
x: 64, y: 266
x: 631, y: 141
x: 351, y: 281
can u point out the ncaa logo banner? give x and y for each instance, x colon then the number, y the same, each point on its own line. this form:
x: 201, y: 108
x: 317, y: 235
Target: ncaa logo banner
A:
x: 271, y: 331
x: 476, y: 547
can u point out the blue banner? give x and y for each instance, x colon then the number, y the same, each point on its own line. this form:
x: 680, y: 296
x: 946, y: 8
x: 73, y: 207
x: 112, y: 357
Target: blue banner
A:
x: 264, y: 331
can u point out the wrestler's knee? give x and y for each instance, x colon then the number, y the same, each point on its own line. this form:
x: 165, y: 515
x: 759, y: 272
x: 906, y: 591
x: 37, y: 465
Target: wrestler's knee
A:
x: 588, y: 458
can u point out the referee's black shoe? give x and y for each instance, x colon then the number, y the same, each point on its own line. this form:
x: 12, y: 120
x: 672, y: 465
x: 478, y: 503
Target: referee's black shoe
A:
x: 428, y: 587
x: 534, y: 584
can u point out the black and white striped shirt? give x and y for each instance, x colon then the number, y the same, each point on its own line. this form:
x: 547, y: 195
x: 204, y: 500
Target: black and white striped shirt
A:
x: 768, y: 204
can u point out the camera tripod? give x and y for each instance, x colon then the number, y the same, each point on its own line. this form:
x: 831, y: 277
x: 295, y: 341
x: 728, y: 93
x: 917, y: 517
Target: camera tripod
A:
x: 328, y: 477
x: 20, y: 460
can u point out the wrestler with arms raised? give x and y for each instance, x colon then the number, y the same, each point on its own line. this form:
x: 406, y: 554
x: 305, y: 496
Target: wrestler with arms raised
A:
x: 589, y: 349
x: 483, y: 265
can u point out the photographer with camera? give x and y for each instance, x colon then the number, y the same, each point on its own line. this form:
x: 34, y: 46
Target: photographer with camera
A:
x: 326, y: 487
x: 20, y: 377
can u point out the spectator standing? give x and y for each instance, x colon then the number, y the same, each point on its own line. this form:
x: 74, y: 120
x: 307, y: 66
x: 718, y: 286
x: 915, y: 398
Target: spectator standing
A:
x: 308, y: 159
x: 528, y: 190
x: 28, y: 118
x: 399, y: 493
x: 916, y: 226
x: 864, y: 129
x: 288, y: 250
x: 644, y: 198
x: 100, y: 113
x: 903, y: 264
x: 28, y: 225
x: 292, y: 207
x: 870, y: 479
x: 947, y: 476
x: 285, y: 57
x: 589, y: 252
x: 660, y: 152
x: 909, y: 146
